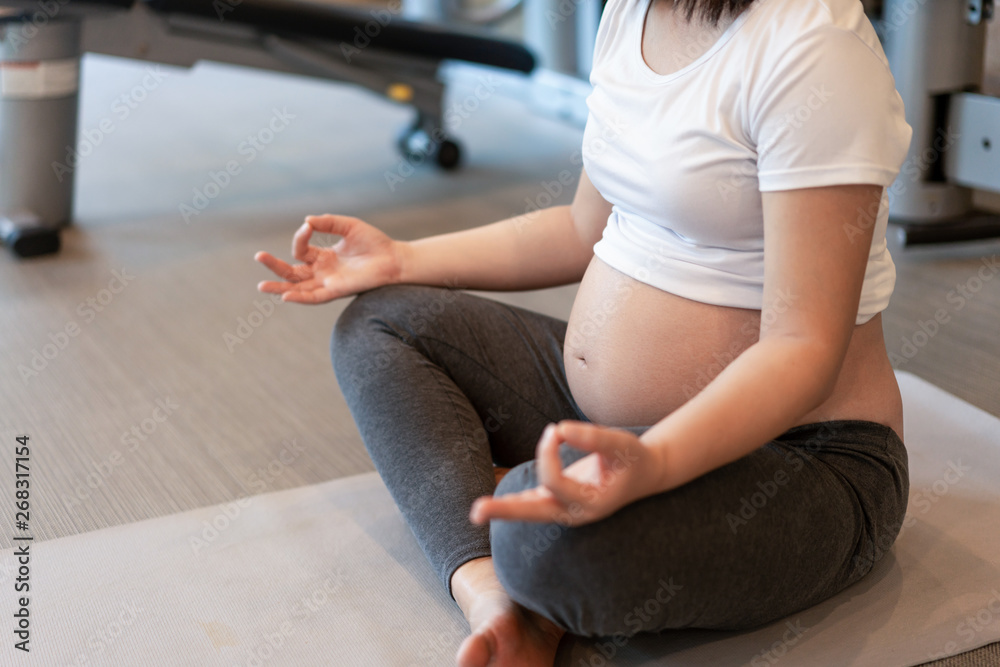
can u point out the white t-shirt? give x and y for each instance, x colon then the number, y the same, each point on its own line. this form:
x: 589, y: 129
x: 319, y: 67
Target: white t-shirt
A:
x: 794, y: 94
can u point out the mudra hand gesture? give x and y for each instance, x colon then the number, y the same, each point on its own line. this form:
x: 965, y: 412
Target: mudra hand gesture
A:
x: 364, y: 258
x: 619, y: 470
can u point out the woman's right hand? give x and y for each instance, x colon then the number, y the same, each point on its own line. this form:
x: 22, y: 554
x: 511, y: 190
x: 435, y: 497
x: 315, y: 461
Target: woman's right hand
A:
x: 364, y: 258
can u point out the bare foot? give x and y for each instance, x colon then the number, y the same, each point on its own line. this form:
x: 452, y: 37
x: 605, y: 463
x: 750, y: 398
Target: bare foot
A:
x: 504, y: 634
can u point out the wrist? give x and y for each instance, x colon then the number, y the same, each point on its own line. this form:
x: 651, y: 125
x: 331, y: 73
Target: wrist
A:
x: 662, y: 472
x: 404, y: 253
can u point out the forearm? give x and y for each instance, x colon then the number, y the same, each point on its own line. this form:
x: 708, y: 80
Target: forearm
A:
x: 760, y: 395
x: 541, y: 249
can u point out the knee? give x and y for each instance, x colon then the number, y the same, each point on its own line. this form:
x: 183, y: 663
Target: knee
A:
x: 357, y: 345
x: 542, y: 565
x: 580, y: 577
x: 357, y: 335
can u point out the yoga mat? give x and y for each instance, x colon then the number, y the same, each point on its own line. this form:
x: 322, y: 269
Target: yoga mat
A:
x: 330, y: 575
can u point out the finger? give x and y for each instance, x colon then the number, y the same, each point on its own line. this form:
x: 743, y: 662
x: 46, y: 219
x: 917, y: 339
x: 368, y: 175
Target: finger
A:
x: 300, y: 243
x: 274, y: 287
x: 307, y: 285
x: 330, y: 224
x: 304, y: 286
x: 318, y: 295
x: 283, y: 269
x: 531, y: 505
x: 548, y: 467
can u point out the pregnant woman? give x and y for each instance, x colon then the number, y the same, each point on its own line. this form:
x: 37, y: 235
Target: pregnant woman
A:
x: 714, y: 439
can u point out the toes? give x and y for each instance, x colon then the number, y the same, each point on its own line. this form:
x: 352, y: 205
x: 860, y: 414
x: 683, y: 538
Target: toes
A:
x: 475, y: 651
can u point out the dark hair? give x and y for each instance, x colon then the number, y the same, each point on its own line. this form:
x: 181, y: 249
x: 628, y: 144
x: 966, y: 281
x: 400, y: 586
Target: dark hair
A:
x: 712, y: 10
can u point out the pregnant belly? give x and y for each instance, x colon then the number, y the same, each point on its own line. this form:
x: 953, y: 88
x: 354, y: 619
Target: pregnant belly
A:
x: 634, y: 353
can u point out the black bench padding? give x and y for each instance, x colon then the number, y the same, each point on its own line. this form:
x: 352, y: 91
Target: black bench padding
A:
x: 116, y: 3
x: 27, y: 10
x: 328, y: 22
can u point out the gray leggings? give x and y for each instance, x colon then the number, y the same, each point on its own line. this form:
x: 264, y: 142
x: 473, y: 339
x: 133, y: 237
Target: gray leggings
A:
x: 443, y: 384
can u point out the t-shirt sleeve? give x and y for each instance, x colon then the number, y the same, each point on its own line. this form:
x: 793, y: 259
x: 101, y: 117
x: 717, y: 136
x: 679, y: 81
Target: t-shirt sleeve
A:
x: 827, y: 113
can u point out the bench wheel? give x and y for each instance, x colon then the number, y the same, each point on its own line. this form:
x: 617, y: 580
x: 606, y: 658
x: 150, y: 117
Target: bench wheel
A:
x: 416, y: 146
x: 448, y: 155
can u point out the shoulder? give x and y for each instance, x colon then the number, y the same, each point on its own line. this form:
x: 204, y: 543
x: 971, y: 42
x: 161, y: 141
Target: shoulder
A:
x: 820, y: 102
x: 779, y: 28
x: 792, y: 46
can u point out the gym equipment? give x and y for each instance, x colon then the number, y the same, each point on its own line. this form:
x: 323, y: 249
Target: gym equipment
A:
x: 41, y: 43
x: 936, y: 50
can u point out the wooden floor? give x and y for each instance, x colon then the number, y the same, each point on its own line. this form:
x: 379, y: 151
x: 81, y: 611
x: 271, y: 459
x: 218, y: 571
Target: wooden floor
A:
x: 153, y: 378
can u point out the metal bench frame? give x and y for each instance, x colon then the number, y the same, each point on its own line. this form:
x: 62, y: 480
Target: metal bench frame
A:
x: 372, y: 52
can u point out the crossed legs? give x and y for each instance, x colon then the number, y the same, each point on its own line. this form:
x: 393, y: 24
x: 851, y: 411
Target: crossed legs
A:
x: 445, y: 385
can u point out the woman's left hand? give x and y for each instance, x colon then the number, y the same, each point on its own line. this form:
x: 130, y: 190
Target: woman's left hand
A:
x: 619, y: 470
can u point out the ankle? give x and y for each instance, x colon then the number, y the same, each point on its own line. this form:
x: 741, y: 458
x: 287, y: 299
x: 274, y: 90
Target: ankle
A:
x: 471, y: 579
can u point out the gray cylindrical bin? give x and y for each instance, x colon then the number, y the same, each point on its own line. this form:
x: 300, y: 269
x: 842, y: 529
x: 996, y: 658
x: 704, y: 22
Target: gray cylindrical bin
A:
x: 39, y: 94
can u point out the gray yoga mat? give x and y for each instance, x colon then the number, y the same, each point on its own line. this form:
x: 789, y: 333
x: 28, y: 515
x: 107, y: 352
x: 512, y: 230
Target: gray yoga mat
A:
x: 330, y: 575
